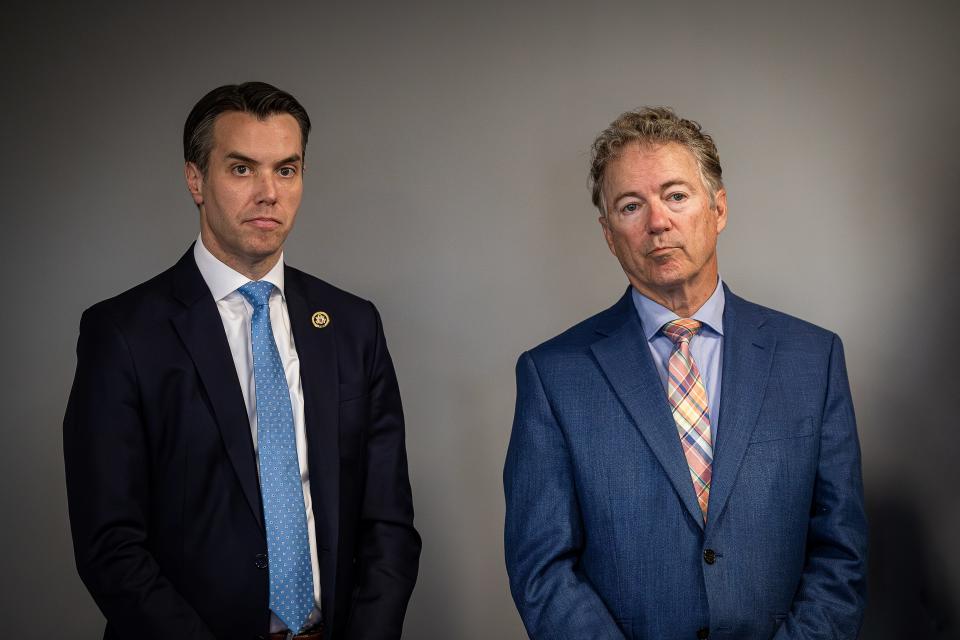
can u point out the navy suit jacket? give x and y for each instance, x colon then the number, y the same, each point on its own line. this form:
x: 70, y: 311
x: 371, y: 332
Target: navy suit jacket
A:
x: 162, y: 482
x: 604, y: 537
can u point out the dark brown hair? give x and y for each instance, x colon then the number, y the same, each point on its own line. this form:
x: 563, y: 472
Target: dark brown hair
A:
x: 257, y: 98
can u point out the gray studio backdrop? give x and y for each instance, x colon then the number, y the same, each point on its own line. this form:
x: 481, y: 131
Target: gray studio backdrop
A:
x: 446, y: 182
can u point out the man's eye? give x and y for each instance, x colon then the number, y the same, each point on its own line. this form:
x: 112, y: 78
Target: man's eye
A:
x: 241, y: 170
x: 633, y: 207
x: 287, y: 172
x: 677, y: 197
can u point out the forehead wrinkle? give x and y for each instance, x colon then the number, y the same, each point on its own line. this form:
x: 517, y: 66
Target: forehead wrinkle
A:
x: 687, y: 161
x: 239, y: 128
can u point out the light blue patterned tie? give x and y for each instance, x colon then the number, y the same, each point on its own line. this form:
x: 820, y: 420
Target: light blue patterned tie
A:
x: 288, y: 547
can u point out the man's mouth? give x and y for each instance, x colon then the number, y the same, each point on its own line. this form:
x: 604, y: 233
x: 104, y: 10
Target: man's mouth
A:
x: 660, y: 251
x: 264, y: 223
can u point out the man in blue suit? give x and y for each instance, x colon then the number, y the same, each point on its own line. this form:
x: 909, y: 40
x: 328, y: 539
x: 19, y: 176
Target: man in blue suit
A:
x: 234, y: 439
x: 684, y: 464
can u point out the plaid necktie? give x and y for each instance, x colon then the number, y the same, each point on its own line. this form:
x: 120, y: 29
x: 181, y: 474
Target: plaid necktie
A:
x: 688, y: 400
x: 288, y: 545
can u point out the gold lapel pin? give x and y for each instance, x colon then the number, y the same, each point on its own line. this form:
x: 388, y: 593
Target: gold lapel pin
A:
x: 320, y: 319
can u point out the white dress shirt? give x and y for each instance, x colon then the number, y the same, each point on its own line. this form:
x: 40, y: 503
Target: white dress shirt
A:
x: 237, y: 314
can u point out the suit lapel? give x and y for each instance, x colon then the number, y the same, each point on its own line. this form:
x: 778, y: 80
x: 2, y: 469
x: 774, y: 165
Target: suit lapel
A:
x: 624, y: 356
x: 316, y: 350
x: 201, y: 330
x: 747, y: 357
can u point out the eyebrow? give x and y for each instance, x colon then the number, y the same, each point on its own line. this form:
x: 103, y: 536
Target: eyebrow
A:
x: 234, y: 155
x: 663, y: 187
x: 674, y: 183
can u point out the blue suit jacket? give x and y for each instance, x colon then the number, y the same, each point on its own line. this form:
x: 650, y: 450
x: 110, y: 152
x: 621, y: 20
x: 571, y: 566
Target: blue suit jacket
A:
x: 604, y: 537
x: 162, y: 482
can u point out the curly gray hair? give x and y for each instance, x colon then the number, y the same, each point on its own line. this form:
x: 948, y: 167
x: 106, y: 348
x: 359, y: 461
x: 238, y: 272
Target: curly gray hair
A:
x: 653, y: 126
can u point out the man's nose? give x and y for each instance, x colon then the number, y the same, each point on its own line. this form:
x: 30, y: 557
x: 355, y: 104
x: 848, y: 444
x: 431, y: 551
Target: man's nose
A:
x: 267, y: 188
x: 659, y: 218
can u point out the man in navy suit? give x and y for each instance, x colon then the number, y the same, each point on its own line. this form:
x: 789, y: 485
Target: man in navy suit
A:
x: 234, y: 439
x: 684, y: 464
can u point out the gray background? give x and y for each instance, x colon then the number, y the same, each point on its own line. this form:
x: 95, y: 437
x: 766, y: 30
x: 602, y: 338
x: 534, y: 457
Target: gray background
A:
x: 446, y: 181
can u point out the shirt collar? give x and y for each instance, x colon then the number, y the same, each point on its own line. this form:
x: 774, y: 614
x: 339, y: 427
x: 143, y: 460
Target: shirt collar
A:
x: 653, y: 315
x: 222, y: 280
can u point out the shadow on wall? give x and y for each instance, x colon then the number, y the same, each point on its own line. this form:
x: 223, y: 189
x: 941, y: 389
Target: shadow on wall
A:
x: 914, y: 572
x: 912, y: 509
x: 908, y: 591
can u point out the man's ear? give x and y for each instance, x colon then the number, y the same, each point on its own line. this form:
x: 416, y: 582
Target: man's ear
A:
x: 194, y: 181
x: 721, y: 208
x: 607, y: 233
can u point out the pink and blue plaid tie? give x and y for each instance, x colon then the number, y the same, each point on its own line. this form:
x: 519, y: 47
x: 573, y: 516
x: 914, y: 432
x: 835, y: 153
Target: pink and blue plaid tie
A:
x: 688, y: 400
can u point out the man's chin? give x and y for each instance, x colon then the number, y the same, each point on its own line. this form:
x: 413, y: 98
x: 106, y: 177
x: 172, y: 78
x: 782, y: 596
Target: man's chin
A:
x: 262, y: 252
x: 265, y: 243
x: 668, y: 276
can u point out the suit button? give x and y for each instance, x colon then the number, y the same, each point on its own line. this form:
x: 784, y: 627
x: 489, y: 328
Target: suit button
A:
x: 702, y: 634
x: 709, y: 556
x: 261, y: 561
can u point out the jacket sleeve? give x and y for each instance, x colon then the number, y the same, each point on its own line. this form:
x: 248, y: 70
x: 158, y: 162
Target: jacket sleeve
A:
x: 830, y: 600
x: 108, y: 491
x: 388, y: 546
x: 544, y: 530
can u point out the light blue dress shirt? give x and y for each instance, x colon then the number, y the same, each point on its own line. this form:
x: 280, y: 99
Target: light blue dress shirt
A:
x: 706, y: 348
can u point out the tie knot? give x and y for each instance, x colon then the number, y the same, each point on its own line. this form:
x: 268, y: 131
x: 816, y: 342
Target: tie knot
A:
x: 681, y: 330
x: 257, y: 293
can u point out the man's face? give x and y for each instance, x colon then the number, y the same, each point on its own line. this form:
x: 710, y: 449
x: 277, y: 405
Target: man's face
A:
x: 250, y: 194
x: 659, y: 223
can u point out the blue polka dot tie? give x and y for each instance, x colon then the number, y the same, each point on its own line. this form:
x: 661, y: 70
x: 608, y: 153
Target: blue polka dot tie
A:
x: 288, y: 547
